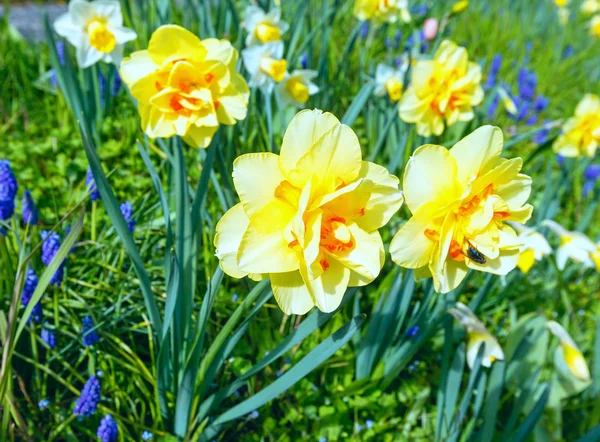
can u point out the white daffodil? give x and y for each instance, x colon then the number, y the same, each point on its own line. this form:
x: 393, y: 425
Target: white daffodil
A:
x: 265, y: 65
x: 477, y: 335
x: 570, y: 352
x: 96, y: 30
x: 534, y: 246
x: 389, y: 81
x: 263, y: 27
x: 574, y: 245
x: 297, y: 87
x: 589, y: 7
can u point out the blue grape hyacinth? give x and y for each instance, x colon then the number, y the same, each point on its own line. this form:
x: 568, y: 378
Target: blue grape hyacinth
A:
x: 50, y: 246
x: 108, y: 429
x: 90, y: 184
x: 8, y: 182
x: 31, y: 282
x: 30, y: 212
x: 90, y: 334
x: 90, y: 396
x: 49, y: 337
x: 127, y: 211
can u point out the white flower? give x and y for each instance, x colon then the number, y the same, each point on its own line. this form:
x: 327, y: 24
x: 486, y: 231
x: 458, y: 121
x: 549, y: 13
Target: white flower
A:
x: 96, y: 30
x: 389, y: 81
x: 534, y: 246
x: 297, y: 87
x: 571, y: 355
x: 263, y: 27
x: 573, y: 245
x: 477, y: 334
x: 589, y: 7
x: 264, y: 64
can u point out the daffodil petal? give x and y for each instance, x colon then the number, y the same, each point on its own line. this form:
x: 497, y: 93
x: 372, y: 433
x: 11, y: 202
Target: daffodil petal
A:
x: 475, y: 153
x: 229, y: 233
x: 291, y: 293
x: 329, y: 288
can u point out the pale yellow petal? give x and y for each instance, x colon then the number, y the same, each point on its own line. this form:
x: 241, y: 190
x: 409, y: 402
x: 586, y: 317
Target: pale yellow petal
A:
x: 228, y: 236
x: 291, y: 293
x: 364, y: 257
x: 411, y: 247
x: 172, y: 42
x: 328, y: 289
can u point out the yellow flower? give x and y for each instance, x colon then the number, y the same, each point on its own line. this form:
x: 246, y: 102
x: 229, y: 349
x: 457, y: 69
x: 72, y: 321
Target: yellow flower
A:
x: 561, y: 3
x: 96, y: 30
x: 185, y: 86
x: 263, y: 27
x: 265, y: 65
x: 589, y: 7
x: 459, y: 7
x: 535, y: 247
x: 445, y: 88
x: 581, y: 133
x: 308, y: 218
x: 389, y: 81
x: 297, y: 87
x: 477, y: 335
x: 571, y: 355
x: 380, y: 11
x: 460, y: 199
x: 595, y: 26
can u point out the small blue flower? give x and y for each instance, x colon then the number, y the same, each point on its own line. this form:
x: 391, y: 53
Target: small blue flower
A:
x: 60, y: 50
x: 31, y: 282
x: 542, y: 136
x: 102, y: 85
x: 90, y: 334
x: 90, y: 396
x: 90, y: 185
x: 50, y: 246
x: 541, y: 103
x: 568, y: 51
x: 43, y: 404
x: 254, y: 414
x: 30, y: 212
x: 364, y: 30
x: 108, y: 430
x: 116, y: 84
x: 369, y: 424
x: 357, y: 427
x: 323, y: 439
x: 531, y: 120
x: 493, y: 107
x: 146, y: 435
x: 8, y: 182
x: 412, y: 332
x: 234, y: 297
x: 397, y: 39
x: 49, y: 337
x: 560, y: 159
x: 592, y: 172
x: 127, y: 211
x: 388, y: 43
x: 7, y: 208
x: 304, y: 60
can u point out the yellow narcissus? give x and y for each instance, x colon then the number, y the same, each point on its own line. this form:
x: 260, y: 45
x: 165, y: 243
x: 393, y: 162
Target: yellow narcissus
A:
x: 571, y: 355
x: 308, y: 218
x: 186, y: 86
x: 534, y: 247
x: 442, y: 91
x: 388, y: 11
x: 460, y: 200
x: 581, y: 133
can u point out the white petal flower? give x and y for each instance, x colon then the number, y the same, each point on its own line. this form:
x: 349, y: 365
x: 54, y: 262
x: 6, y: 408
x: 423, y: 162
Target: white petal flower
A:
x: 265, y: 65
x: 574, y: 245
x: 263, y: 27
x: 534, y: 246
x: 477, y: 334
x: 297, y: 87
x: 96, y: 30
x: 389, y: 81
x: 573, y: 358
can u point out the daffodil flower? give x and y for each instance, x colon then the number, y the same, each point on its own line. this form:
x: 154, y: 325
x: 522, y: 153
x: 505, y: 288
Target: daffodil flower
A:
x: 595, y: 26
x: 571, y: 355
x: 263, y: 27
x: 185, y: 86
x: 581, y: 133
x: 477, y: 335
x: 442, y: 90
x: 296, y: 88
x: 460, y: 200
x: 575, y: 246
x: 382, y: 11
x: 459, y: 7
x: 265, y: 66
x: 589, y: 7
x: 96, y: 30
x: 534, y: 247
x: 308, y: 218
x: 507, y: 102
x: 389, y: 81
x: 561, y: 3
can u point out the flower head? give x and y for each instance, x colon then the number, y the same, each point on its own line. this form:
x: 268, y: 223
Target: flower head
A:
x: 90, y: 184
x: 595, y: 26
x: 575, y: 246
x: 430, y: 28
x: 96, y: 30
x: 186, y: 86
x: 308, y: 218
x: 89, y: 332
x: 49, y: 337
x: 50, y: 246
x: 570, y: 355
x: 534, y: 247
x: 442, y: 90
x: 589, y: 7
x: 581, y: 133
x: 477, y: 335
x: 8, y: 182
x: 127, y: 211
x: 30, y: 212
x: 146, y: 435
x: 263, y: 27
x: 460, y: 200
x: 389, y: 81
x: 90, y: 396
x: 31, y: 282
x: 108, y: 430
x: 382, y: 11
x: 297, y: 87
x: 459, y: 6
x: 265, y: 65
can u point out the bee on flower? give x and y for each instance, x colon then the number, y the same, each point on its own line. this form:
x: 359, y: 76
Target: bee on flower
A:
x: 569, y: 353
x: 534, y: 247
x: 265, y: 65
x: 263, y: 27
x: 390, y: 81
x: 308, y: 218
x: 296, y: 88
x: 477, y: 335
x: 186, y: 86
x: 460, y: 200
x: 442, y: 91
x: 581, y: 133
x: 96, y: 30
x: 382, y: 11
x: 575, y: 246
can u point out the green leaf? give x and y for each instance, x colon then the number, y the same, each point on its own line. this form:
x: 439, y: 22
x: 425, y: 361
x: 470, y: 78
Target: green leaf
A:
x: 591, y: 436
x: 358, y: 103
x: 529, y: 423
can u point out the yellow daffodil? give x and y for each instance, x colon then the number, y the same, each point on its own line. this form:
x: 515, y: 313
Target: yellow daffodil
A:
x: 561, y: 3
x: 460, y: 199
x: 96, y: 30
x: 477, y: 335
x: 589, y: 7
x: 308, y: 218
x: 389, y: 81
x: 185, y: 86
x: 380, y: 11
x: 459, y: 7
x: 571, y: 355
x: 581, y: 133
x: 534, y: 247
x: 595, y: 26
x: 443, y: 89
x: 263, y: 27
x: 575, y: 246
x: 297, y: 87
x: 265, y: 65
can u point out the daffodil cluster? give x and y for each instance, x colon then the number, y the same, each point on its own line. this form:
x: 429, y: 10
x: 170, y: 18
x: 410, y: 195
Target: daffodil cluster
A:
x: 581, y: 133
x: 263, y: 59
x: 382, y: 11
x: 186, y: 86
